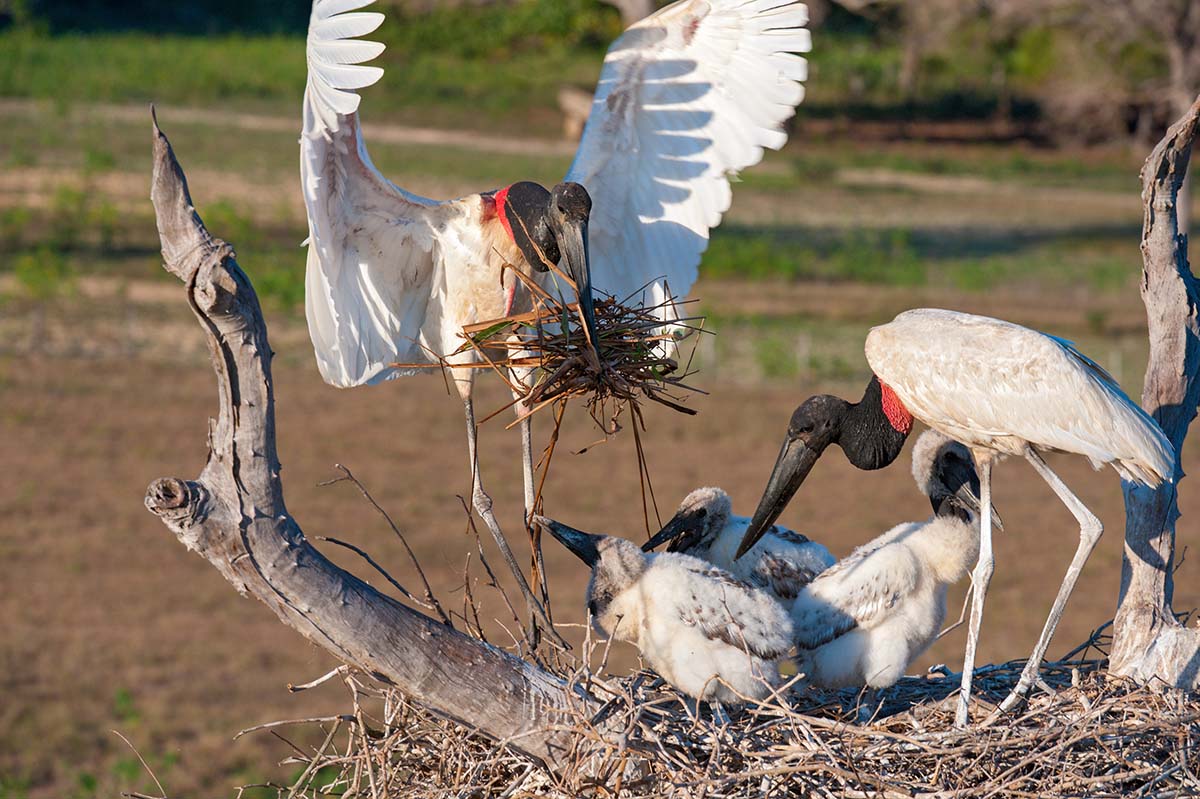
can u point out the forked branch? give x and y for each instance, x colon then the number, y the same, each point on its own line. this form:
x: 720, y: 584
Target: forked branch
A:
x: 234, y: 516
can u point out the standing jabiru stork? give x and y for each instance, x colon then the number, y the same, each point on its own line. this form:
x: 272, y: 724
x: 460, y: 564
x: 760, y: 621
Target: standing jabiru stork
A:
x: 687, y: 97
x: 1000, y: 389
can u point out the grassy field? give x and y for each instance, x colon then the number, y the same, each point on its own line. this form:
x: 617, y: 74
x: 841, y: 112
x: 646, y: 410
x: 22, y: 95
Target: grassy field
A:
x: 497, y: 67
x: 104, y: 386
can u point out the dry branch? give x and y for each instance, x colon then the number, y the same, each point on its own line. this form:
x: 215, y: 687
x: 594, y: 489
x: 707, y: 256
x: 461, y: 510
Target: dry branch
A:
x: 235, y: 517
x: 1149, y: 645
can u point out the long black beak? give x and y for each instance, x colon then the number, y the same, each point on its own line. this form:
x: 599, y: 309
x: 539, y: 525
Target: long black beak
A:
x: 584, y: 545
x: 680, y: 530
x: 573, y: 246
x: 795, y: 461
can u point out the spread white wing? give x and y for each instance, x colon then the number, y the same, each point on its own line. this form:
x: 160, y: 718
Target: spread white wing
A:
x: 687, y: 97
x: 372, y: 246
x: 858, y: 591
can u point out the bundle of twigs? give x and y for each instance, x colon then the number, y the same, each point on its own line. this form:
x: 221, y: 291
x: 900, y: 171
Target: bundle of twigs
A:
x: 545, y: 357
x: 1087, y: 736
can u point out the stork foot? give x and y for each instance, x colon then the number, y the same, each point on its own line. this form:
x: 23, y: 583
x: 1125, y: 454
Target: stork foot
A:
x: 870, y: 702
x: 719, y: 716
x: 1029, y: 680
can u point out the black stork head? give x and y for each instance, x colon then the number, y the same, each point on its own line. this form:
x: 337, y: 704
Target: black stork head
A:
x: 871, y: 432
x: 551, y: 227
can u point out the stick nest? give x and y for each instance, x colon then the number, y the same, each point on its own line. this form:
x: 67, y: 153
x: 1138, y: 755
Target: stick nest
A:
x: 1090, y: 736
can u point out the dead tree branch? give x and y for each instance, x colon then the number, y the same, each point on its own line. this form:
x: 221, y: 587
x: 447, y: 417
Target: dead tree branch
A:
x: 1148, y: 643
x: 234, y: 516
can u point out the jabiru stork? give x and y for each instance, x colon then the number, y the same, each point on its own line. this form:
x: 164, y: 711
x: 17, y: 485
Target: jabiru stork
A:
x: 687, y: 97
x: 710, y: 635
x: 864, y: 620
x: 999, y: 388
x: 781, y: 563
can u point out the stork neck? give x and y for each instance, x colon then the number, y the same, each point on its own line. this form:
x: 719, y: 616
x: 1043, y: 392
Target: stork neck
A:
x: 874, y: 429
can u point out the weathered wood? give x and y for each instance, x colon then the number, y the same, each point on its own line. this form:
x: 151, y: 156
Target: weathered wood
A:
x: 1149, y: 645
x: 234, y: 516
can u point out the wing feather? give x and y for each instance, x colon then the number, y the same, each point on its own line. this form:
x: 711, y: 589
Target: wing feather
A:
x: 371, y: 252
x: 687, y: 97
x: 993, y: 383
x: 857, y: 591
x: 726, y: 609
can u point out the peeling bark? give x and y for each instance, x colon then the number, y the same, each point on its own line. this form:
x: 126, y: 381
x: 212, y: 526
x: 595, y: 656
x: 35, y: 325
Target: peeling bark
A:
x: 235, y: 517
x: 1149, y: 645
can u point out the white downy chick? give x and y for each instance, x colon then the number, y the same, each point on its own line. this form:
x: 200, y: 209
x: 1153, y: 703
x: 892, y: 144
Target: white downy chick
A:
x: 865, y: 619
x: 711, y: 636
x: 782, y: 562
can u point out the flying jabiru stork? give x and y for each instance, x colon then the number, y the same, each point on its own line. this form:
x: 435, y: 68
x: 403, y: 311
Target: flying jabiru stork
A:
x: 687, y: 97
x: 1000, y: 389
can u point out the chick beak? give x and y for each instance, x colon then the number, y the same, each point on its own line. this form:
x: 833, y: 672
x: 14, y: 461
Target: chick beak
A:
x: 585, y: 546
x: 680, y: 530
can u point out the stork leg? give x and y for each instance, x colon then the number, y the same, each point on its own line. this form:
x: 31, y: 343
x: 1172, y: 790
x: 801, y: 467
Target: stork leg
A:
x: 535, y: 541
x: 483, y: 506
x: 1090, y: 530
x: 870, y: 701
x: 980, y: 577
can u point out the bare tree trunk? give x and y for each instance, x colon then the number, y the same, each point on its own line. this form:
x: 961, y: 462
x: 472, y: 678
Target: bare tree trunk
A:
x: 1148, y: 643
x: 633, y: 10
x: 234, y: 516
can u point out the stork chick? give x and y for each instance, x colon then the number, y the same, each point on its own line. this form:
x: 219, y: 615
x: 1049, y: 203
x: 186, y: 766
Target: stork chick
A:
x: 711, y: 636
x: 781, y: 562
x: 865, y: 619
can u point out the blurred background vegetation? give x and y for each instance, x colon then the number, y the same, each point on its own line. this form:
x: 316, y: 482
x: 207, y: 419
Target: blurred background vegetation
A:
x: 1064, y: 70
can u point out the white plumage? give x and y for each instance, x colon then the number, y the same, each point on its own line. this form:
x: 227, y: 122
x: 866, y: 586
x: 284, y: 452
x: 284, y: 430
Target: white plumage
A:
x: 1004, y: 389
x: 781, y: 563
x: 999, y: 386
x: 687, y: 97
x: 864, y: 620
x: 711, y: 636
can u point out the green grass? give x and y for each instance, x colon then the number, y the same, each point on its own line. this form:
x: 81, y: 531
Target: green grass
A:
x: 498, y: 67
x: 808, y: 162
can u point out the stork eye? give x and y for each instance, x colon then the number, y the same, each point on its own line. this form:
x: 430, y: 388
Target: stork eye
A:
x: 700, y: 514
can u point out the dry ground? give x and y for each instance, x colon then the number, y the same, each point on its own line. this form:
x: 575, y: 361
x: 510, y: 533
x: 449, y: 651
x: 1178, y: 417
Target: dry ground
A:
x: 111, y: 624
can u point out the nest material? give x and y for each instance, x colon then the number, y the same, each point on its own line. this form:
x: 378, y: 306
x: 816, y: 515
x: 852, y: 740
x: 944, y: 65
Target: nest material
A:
x: 1090, y: 737
x: 629, y: 363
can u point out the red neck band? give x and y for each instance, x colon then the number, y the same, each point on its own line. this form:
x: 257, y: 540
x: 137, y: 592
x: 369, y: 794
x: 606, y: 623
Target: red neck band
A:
x: 897, y: 415
x: 501, y: 198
